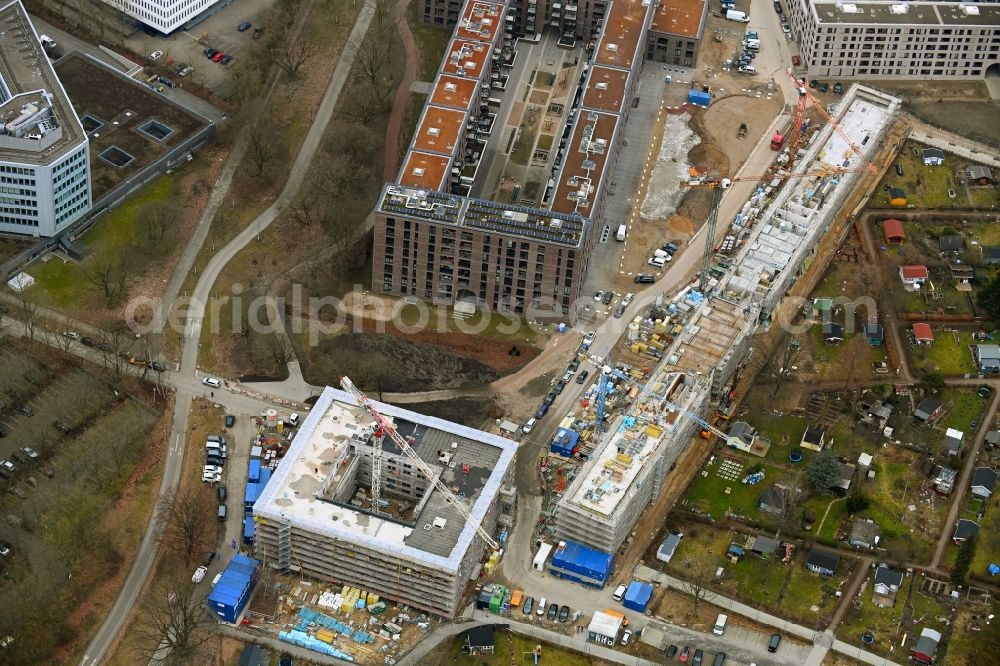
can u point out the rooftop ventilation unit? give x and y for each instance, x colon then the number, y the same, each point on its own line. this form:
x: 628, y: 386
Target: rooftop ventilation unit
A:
x: 849, y: 8
x: 450, y: 87
x: 418, y: 172
x: 602, y: 86
x: 970, y: 10
x: 612, y: 47
x: 433, y: 131
x: 899, y: 9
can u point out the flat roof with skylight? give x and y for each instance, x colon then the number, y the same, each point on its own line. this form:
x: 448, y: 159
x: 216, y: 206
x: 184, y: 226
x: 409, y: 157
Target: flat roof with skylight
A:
x: 480, y: 20
x: 439, y: 130
x: 624, y: 34
x: 466, y: 58
x: 684, y: 18
x: 454, y: 92
x: 424, y: 170
x: 907, y: 13
x: 606, y: 89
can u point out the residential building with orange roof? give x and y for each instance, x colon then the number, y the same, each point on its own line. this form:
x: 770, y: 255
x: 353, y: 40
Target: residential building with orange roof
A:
x: 455, y: 92
x: 676, y: 32
x: 622, y: 41
x: 424, y: 171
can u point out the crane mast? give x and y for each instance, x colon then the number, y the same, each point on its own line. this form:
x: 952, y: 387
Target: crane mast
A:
x: 385, y: 426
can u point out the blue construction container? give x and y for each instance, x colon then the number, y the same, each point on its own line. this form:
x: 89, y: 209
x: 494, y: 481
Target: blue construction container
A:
x: 248, y: 530
x: 580, y: 564
x: 638, y: 595
x: 254, y: 475
x: 265, y: 476
x: 699, y: 97
x: 566, y: 442
x: 250, y: 497
x: 230, y: 595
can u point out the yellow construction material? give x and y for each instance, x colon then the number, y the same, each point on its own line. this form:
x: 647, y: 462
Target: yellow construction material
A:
x: 344, y: 590
x: 324, y: 635
x: 654, y: 431
x: 624, y: 458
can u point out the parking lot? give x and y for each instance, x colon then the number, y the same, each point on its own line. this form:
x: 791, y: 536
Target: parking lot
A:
x: 218, y: 31
x: 69, y: 441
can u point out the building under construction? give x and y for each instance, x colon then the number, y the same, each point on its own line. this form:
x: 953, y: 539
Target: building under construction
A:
x: 316, y: 515
x: 778, y: 230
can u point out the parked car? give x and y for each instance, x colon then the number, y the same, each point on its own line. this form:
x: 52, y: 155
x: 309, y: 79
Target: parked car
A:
x: 210, y: 53
x: 542, y: 411
x: 698, y: 656
x: 156, y: 55
x: 838, y: 88
x: 26, y: 410
x: 671, y: 651
x: 644, y: 278
x: 608, y: 297
x: 156, y: 365
x: 72, y: 335
x: 628, y: 298
x: 529, y: 425
x: 588, y: 339
x: 984, y: 392
x: 823, y: 87
x: 218, y: 56
x: 582, y: 377
x: 552, y: 612
x: 226, y: 59
x: 214, y: 382
x: 218, y: 439
x: 230, y: 420
x: 527, y: 605
x: 626, y: 637
x: 574, y: 364
x: 30, y: 452
x: 564, y: 613
x: 199, y: 574
x: 772, y: 645
x: 7, y: 467
x: 619, y: 311
x: 619, y: 593
x: 221, y: 491
x: 5, y: 549
x: 796, y: 61
x: 813, y: 83
x: 60, y: 426
x: 243, y: 27
x: 211, y: 477
x: 599, y: 296
x: 549, y: 399
x: 685, y: 654
x: 214, y: 461
x: 785, y: 28
x: 568, y: 375
x: 558, y: 388
x: 47, y: 471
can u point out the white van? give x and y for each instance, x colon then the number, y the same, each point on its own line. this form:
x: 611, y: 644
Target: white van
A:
x: 720, y: 625
x: 752, y: 44
x: 529, y: 425
x: 619, y: 593
x: 747, y: 69
x: 620, y: 236
x: 47, y: 41
x: 542, y: 603
x: 658, y: 262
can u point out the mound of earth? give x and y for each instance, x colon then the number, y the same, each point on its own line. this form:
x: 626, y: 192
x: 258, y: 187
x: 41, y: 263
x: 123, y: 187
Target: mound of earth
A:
x: 472, y: 411
x: 388, y: 363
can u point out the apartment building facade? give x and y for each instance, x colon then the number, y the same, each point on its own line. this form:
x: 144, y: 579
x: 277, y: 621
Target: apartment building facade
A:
x: 44, y: 163
x: 902, y: 40
x: 676, y: 32
x: 574, y: 19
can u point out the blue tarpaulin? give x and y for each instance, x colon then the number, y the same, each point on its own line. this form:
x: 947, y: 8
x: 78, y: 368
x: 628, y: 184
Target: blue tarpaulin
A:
x: 638, y: 595
x: 994, y: 570
x: 580, y: 564
x: 699, y: 97
x: 565, y: 443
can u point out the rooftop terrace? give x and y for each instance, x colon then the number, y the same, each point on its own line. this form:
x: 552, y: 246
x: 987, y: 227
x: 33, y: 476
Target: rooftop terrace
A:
x: 623, y: 35
x: 908, y: 13
x: 25, y: 68
x: 586, y: 157
x: 316, y: 463
x: 680, y: 17
x: 480, y: 20
x: 466, y: 58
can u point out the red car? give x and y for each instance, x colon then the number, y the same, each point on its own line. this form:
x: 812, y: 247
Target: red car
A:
x: 796, y: 60
x: 218, y: 56
x: 683, y: 657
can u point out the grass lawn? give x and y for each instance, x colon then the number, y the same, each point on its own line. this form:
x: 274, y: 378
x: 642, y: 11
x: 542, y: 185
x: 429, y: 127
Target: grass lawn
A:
x: 967, y: 407
x: 432, y: 40
x: 807, y: 590
x: 925, y: 186
x: 835, y: 511
x: 988, y: 543
x: 66, y: 284
x: 948, y: 355
x: 895, y: 488
x: 929, y: 611
x: 972, y: 640
x: 506, y: 656
x: 883, y: 622
x: 708, y: 492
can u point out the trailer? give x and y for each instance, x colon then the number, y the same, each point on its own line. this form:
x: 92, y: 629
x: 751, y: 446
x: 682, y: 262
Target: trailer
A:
x: 540, y: 558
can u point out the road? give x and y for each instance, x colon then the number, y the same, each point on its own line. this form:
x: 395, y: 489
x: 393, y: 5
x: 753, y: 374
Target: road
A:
x: 186, y: 385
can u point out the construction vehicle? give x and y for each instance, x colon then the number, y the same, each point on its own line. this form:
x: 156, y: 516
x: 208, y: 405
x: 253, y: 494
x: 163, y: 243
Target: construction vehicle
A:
x: 383, y: 427
x: 777, y: 141
x: 742, y: 133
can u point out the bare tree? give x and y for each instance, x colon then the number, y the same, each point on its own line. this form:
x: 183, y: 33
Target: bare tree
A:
x: 372, y: 60
x: 365, y: 107
x: 115, y: 346
x: 158, y: 218
x: 790, y: 498
x: 281, y: 349
x: 263, y: 140
x: 779, y: 364
x: 695, y: 584
x: 291, y: 54
x: 30, y: 311
x: 172, y: 623
x: 111, y: 276
x: 185, y: 527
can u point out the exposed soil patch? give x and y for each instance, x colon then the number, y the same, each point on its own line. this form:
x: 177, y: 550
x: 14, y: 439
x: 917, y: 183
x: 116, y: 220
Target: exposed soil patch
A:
x: 540, y: 385
x: 472, y: 411
x: 389, y: 363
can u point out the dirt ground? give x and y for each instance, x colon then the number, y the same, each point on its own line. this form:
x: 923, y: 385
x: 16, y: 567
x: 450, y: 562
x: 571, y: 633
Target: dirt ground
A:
x: 472, y: 411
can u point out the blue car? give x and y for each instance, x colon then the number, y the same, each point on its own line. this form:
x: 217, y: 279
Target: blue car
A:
x: 542, y: 410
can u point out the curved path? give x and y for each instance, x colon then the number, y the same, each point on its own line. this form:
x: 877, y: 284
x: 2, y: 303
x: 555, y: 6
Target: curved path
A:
x: 390, y: 163
x: 185, y: 384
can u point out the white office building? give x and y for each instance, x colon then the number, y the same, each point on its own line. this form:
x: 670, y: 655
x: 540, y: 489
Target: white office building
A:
x: 897, y: 40
x: 168, y: 15
x: 44, y: 165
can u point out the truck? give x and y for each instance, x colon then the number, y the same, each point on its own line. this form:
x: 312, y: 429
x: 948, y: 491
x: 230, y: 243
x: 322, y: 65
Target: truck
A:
x: 738, y: 16
x: 777, y: 141
x: 543, y: 554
